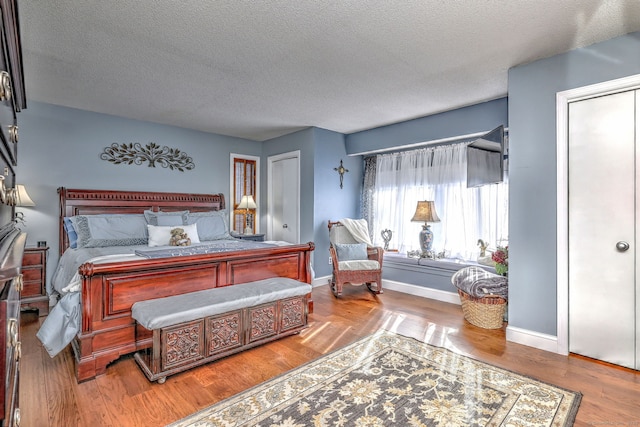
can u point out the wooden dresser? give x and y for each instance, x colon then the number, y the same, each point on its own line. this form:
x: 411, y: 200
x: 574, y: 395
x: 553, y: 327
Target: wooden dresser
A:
x: 12, y: 239
x: 12, y: 243
x: 12, y: 95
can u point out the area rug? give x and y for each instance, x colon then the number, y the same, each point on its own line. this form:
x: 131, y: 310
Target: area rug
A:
x: 387, y: 379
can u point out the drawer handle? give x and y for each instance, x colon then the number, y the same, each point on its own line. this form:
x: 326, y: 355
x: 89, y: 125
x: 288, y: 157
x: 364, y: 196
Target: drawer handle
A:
x: 3, y: 190
x: 17, y: 355
x: 13, y: 134
x: 16, y: 417
x: 5, y: 86
x: 19, y: 282
x: 12, y: 327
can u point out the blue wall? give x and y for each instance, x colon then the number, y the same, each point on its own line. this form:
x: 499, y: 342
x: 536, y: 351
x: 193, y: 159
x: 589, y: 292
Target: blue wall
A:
x: 463, y: 121
x: 61, y: 147
x: 320, y: 193
x: 332, y: 202
x: 532, y: 164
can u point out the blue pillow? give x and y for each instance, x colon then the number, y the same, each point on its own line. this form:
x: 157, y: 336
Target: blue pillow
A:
x: 71, y: 232
x: 212, y: 225
x: 351, y: 251
x: 166, y: 218
x: 110, y: 230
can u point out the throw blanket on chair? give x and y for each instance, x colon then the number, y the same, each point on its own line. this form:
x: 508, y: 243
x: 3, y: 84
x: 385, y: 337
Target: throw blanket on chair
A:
x: 358, y: 229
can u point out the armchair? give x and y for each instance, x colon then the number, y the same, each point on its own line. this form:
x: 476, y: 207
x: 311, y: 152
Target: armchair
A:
x: 353, y: 262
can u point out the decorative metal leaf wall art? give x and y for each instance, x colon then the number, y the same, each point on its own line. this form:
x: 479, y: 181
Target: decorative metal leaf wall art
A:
x: 135, y: 153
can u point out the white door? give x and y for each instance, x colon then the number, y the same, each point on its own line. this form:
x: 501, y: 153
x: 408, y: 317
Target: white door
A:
x: 603, y: 214
x: 284, y: 197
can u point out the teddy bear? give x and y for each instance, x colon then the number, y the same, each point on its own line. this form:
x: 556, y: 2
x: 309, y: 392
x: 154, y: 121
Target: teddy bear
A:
x: 179, y: 238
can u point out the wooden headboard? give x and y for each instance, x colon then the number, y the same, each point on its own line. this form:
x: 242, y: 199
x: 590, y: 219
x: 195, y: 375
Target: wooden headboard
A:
x: 92, y: 202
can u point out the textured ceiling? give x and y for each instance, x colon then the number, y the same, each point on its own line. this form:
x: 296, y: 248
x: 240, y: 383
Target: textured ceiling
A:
x: 261, y: 69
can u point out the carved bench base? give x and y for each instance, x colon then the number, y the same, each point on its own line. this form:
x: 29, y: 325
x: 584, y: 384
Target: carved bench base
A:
x: 183, y: 346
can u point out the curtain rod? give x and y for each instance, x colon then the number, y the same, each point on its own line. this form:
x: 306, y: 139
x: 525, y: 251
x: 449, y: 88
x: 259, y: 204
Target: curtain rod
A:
x: 422, y: 144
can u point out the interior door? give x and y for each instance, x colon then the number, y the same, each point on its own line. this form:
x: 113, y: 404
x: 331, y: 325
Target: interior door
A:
x: 602, y: 224
x: 284, y: 197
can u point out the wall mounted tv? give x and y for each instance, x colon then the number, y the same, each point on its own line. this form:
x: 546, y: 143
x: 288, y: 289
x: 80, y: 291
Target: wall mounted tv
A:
x: 485, y: 159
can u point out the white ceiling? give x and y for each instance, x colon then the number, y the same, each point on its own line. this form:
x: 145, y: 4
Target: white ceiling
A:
x: 260, y: 69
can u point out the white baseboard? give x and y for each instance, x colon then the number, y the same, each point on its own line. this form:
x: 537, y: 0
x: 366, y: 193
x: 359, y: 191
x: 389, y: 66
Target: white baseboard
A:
x: 406, y: 288
x: 532, y: 339
x: 420, y: 291
x: 517, y: 335
x: 320, y: 281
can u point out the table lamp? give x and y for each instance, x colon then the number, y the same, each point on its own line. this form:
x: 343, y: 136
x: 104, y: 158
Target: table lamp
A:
x: 247, y: 203
x: 426, y: 212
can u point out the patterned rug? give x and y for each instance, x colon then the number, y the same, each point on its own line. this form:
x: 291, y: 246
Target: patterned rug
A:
x: 387, y: 379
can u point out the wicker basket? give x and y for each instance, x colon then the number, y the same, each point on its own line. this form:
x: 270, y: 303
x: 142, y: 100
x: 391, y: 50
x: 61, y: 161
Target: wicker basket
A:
x: 486, y: 312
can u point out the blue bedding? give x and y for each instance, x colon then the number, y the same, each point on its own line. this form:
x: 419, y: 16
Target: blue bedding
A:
x: 204, y: 248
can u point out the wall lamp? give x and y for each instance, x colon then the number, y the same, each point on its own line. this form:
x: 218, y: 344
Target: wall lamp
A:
x: 17, y: 196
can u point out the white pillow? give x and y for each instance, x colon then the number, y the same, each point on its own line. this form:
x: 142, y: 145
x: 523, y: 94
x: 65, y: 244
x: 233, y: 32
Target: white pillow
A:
x: 159, y: 235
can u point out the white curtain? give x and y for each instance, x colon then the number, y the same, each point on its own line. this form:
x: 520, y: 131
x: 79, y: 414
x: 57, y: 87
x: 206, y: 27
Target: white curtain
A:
x: 438, y: 174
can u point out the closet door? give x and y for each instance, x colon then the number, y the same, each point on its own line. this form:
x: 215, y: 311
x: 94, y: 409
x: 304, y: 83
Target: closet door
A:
x: 284, y: 197
x: 637, y: 290
x: 602, y: 224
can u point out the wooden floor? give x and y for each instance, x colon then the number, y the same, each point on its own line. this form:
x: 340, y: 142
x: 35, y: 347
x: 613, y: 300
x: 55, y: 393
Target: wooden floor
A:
x: 50, y: 396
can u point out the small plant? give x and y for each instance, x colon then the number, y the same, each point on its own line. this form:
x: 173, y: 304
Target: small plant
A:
x: 501, y: 259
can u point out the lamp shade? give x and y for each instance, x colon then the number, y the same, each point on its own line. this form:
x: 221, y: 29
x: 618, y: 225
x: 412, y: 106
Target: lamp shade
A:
x: 426, y: 212
x: 22, y: 197
x: 247, y: 202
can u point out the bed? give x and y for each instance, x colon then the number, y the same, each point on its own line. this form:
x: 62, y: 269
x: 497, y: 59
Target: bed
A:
x: 108, y: 288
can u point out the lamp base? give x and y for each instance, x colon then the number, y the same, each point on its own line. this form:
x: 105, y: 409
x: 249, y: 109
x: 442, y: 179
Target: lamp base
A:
x: 248, y: 226
x: 426, y: 238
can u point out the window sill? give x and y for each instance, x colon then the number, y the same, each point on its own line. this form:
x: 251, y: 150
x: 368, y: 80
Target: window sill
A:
x: 448, y: 265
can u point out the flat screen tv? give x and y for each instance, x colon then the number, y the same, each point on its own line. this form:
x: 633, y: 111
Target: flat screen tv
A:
x: 485, y: 159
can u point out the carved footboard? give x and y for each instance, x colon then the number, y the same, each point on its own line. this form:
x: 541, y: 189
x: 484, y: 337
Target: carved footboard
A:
x: 109, y: 290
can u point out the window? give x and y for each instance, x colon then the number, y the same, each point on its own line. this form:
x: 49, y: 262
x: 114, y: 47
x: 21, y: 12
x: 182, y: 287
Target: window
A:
x: 244, y: 181
x: 438, y: 174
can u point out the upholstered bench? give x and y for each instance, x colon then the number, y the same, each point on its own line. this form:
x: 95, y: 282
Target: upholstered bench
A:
x: 192, y: 329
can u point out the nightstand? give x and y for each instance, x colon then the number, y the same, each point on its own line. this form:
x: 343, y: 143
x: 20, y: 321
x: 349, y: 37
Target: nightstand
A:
x: 34, y: 273
x: 254, y: 237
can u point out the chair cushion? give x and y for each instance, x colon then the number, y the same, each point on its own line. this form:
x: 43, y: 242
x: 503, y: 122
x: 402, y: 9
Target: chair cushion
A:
x: 356, y: 265
x: 351, y: 251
